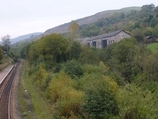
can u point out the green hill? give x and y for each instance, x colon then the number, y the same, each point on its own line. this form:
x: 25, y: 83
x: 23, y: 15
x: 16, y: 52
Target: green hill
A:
x: 91, y: 19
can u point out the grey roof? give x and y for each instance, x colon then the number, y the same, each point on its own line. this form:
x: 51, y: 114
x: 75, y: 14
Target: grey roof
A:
x: 148, y: 37
x: 105, y: 35
x: 83, y: 40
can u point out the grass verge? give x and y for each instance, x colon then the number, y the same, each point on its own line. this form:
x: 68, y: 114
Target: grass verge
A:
x: 153, y: 47
x: 41, y: 109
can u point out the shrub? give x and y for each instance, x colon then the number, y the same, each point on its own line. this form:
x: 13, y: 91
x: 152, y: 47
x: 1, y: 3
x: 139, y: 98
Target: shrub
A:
x: 135, y: 103
x: 73, y: 69
x: 66, y: 99
x: 69, y: 103
x: 100, y: 99
x: 57, y: 85
x: 40, y: 76
x: 97, y: 69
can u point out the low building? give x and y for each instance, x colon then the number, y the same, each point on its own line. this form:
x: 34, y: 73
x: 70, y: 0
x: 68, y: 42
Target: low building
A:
x: 102, y: 41
x: 148, y: 39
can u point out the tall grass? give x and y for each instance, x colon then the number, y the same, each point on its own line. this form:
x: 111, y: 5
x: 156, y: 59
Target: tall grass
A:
x: 41, y: 109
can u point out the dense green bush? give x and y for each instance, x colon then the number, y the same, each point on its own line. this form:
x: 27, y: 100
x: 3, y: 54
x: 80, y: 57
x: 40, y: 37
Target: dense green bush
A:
x: 135, y: 103
x: 151, y: 67
x: 73, y: 69
x: 89, y: 56
x: 52, y: 48
x: 40, y: 76
x: 95, y: 94
x: 66, y: 99
x: 75, y: 50
x: 100, y: 102
x: 96, y: 69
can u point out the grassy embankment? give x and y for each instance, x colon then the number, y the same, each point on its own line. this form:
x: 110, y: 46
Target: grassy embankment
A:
x: 41, y: 109
x: 153, y: 47
x: 5, y: 62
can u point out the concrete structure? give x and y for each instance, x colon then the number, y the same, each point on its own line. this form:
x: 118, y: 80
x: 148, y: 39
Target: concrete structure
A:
x: 4, y: 73
x: 102, y: 41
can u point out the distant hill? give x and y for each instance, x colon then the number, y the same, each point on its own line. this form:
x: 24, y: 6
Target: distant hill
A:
x: 64, y: 27
x: 24, y: 37
x: 90, y: 19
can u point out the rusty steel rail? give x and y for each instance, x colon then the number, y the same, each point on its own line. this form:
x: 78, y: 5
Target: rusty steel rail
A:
x: 5, y: 100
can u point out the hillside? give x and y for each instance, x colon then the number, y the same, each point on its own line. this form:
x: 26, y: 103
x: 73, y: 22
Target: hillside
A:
x: 82, y: 21
x: 24, y: 37
x: 90, y: 19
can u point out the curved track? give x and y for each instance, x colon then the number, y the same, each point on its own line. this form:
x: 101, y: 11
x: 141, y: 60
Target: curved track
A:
x: 5, y: 110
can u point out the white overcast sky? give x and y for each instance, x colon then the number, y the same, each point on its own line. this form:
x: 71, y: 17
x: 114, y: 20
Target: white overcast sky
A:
x: 20, y: 17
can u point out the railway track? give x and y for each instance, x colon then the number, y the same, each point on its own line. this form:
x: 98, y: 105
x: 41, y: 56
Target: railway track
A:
x: 5, y: 108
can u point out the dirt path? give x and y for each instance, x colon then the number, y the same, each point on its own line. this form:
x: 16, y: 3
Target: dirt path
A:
x: 29, y: 103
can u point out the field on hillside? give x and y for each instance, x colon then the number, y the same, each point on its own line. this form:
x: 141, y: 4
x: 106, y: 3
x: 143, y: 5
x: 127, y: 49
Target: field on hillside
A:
x: 153, y: 47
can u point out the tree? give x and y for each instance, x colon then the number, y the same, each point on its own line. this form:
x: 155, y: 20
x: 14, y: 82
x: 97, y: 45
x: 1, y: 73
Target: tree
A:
x: 154, y: 22
x: 89, y: 55
x: 125, y: 58
x: 73, y: 30
x: 41, y: 76
x: 148, y: 31
x: 138, y: 34
x: 151, y: 67
x: 155, y: 31
x: 63, y: 95
x: 75, y: 50
x: 100, y: 101
x: 6, y: 43
x: 73, y: 69
x: 90, y: 30
x: 135, y: 103
x: 52, y: 48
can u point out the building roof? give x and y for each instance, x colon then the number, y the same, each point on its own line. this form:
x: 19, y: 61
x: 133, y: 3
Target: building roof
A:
x: 105, y: 35
x: 148, y: 37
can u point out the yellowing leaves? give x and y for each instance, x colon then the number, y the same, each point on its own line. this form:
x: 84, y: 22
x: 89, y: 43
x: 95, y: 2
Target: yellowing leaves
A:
x: 73, y: 30
x: 66, y: 98
x: 41, y: 76
x: 136, y: 103
x: 58, y: 84
x: 112, y: 85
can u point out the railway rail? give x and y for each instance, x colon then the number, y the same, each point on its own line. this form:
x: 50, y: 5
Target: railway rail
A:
x: 5, y: 96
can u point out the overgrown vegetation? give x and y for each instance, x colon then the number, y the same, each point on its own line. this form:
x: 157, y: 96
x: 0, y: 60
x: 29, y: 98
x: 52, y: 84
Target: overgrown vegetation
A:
x: 36, y: 103
x: 117, y: 82
x: 83, y: 82
x: 7, y: 57
x: 5, y: 61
